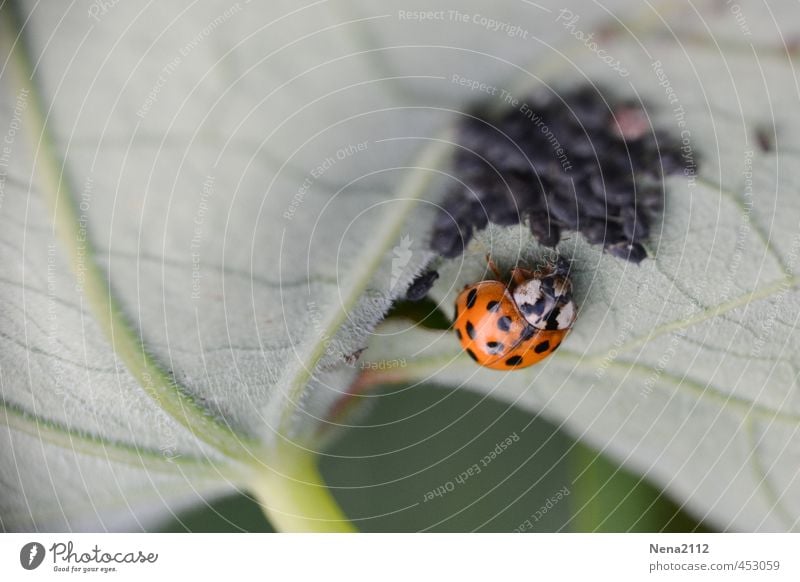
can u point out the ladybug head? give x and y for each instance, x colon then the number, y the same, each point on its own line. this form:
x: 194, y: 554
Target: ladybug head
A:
x: 535, y: 300
x: 546, y: 302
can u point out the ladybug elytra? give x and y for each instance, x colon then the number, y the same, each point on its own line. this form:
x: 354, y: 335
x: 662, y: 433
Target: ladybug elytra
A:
x: 515, y: 325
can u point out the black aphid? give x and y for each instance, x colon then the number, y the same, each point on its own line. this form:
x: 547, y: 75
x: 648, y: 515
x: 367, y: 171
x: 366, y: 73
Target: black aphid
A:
x: 575, y: 163
x: 421, y: 285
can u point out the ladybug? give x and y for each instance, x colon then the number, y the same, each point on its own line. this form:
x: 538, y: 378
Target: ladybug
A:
x: 506, y: 326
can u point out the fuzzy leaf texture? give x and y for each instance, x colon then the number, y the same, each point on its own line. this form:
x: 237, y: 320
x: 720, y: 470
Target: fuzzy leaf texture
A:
x: 196, y: 247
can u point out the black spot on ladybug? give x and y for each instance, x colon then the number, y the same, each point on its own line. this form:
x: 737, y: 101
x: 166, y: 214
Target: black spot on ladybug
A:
x: 528, y: 333
x: 494, y: 347
x: 514, y: 361
x: 504, y: 323
x: 542, y: 347
x: 605, y: 181
x: 552, y: 319
x: 533, y: 308
x: 458, y: 333
x: 547, y: 286
x: 472, y: 354
x: 470, y: 330
x: 421, y: 285
x: 471, y: 296
x: 493, y: 305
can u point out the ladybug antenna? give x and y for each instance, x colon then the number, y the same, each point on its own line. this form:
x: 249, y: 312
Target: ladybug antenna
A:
x: 493, y: 267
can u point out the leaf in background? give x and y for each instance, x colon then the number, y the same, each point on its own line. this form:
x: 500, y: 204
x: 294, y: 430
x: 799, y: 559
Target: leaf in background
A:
x: 171, y: 158
x: 684, y: 369
x: 199, y: 209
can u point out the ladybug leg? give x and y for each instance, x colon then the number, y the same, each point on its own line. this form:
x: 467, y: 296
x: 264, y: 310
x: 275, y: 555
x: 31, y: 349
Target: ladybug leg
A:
x: 563, y: 289
x: 560, y: 267
x: 493, y: 268
x: 555, y: 277
x: 519, y: 275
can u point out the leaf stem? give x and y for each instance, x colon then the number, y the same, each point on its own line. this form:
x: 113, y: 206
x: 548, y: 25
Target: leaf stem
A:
x: 67, y: 223
x: 294, y: 496
x: 409, y: 193
x: 88, y: 444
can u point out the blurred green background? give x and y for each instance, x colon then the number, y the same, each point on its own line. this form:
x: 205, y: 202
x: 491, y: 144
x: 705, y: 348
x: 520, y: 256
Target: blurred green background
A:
x: 413, y: 441
x: 425, y: 455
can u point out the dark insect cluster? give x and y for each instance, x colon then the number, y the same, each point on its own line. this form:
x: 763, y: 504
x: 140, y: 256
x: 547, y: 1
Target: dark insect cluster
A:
x: 420, y: 286
x: 575, y: 162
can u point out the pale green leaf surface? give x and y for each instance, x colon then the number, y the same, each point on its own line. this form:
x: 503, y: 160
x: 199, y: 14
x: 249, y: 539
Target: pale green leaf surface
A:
x: 262, y: 96
x: 187, y: 131
x: 685, y: 368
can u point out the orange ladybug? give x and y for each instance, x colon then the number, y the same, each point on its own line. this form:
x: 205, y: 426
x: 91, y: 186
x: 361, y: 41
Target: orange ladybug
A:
x: 515, y: 325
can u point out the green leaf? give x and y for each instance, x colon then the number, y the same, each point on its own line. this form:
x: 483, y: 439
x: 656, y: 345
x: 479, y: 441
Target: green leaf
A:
x: 172, y: 291
x: 185, y: 268
x: 206, y: 210
x: 684, y: 368
x: 694, y: 390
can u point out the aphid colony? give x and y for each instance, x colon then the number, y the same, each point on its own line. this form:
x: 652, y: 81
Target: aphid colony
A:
x: 571, y: 162
x: 574, y: 163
